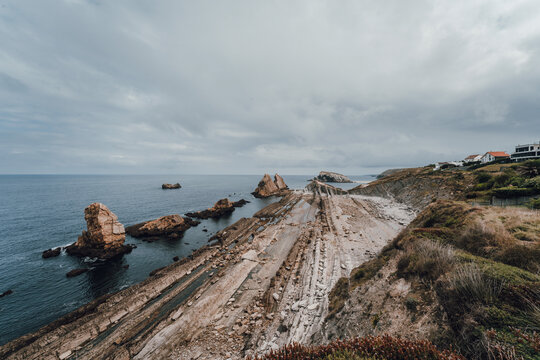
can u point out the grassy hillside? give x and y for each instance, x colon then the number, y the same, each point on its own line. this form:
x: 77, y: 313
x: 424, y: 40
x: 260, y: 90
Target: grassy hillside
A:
x: 473, y: 279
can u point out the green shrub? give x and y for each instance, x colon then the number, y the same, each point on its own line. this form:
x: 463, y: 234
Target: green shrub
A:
x: 510, y: 192
x: 483, y: 177
x: 534, y: 204
x: 502, y: 180
x: 533, y: 183
x: 517, y: 181
x: 529, y: 168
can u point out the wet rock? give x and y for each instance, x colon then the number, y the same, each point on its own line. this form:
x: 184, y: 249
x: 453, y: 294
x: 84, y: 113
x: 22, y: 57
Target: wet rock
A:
x: 76, y: 272
x: 268, y: 187
x: 221, y: 208
x: 6, y: 293
x: 176, y: 258
x: 51, y: 253
x: 104, y: 237
x: 171, y: 186
x: 328, y: 176
x: 170, y: 226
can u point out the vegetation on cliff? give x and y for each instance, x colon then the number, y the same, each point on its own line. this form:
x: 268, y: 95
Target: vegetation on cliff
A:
x: 366, y: 348
x: 507, y: 181
x: 475, y: 271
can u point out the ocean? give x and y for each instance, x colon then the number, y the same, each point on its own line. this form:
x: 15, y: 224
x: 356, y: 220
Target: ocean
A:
x: 38, y: 212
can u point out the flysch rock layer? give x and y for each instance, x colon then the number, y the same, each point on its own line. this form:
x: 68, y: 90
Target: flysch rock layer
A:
x: 104, y: 237
x: 264, y: 285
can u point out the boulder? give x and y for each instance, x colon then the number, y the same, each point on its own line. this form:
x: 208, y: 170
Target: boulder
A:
x: 171, y: 186
x: 268, y: 187
x: 170, y: 226
x: 51, y: 253
x: 221, y: 208
x: 104, y: 237
x: 327, y: 176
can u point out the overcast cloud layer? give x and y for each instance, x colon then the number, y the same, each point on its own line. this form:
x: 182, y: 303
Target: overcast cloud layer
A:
x: 256, y: 86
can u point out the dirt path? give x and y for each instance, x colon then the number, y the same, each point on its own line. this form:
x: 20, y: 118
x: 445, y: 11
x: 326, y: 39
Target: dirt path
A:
x: 264, y: 286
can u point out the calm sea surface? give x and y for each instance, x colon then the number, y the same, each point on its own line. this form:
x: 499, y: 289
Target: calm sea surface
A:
x: 39, y: 212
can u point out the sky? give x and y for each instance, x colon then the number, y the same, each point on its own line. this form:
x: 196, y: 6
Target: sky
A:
x: 247, y: 87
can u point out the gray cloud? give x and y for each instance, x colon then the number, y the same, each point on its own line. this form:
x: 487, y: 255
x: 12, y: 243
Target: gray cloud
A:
x: 253, y: 86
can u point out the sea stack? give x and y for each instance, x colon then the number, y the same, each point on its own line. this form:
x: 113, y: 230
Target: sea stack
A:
x: 169, y: 226
x: 268, y: 187
x: 328, y: 176
x: 104, y: 237
x: 221, y: 208
x: 171, y: 186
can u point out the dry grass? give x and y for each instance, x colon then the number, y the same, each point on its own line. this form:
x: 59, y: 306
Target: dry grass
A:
x: 471, y: 283
x: 427, y: 259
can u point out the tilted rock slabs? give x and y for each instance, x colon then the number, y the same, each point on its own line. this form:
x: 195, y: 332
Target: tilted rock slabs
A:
x: 170, y: 226
x: 104, y: 237
x: 268, y: 187
x: 221, y: 208
x: 328, y: 176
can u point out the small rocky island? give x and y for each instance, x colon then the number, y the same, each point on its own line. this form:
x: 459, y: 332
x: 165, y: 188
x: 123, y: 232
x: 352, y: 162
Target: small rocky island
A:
x: 104, y: 237
x: 268, y: 187
x: 171, y: 186
x: 221, y: 208
x: 169, y: 226
x: 328, y: 176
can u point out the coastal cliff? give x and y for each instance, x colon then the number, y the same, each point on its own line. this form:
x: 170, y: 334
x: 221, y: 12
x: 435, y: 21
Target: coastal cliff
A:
x: 418, y: 187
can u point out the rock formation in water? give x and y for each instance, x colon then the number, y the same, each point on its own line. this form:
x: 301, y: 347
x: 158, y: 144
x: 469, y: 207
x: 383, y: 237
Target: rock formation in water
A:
x: 6, y: 293
x: 170, y: 226
x: 328, y: 176
x: 104, y: 237
x: 268, y: 187
x: 221, y: 208
x: 171, y: 186
x: 76, y: 272
x: 51, y: 253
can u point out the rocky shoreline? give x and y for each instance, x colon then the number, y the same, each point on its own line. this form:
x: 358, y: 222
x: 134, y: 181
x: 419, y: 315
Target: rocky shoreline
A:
x: 267, y: 275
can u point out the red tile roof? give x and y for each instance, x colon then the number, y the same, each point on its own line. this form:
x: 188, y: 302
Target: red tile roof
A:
x: 498, y: 153
x: 471, y: 156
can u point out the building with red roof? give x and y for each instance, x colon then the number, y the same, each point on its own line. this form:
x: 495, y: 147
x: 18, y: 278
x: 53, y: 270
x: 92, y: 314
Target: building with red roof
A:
x: 494, y: 155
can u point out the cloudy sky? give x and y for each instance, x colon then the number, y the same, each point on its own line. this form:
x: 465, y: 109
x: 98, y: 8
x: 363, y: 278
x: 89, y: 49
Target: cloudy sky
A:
x: 225, y: 87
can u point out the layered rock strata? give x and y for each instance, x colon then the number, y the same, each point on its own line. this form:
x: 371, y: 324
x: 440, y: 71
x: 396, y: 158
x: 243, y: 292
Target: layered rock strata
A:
x: 169, y: 226
x: 104, y: 237
x: 221, y: 208
x: 268, y: 187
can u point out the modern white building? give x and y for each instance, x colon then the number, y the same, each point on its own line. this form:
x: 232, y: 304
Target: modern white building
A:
x: 526, y: 152
x: 494, y: 155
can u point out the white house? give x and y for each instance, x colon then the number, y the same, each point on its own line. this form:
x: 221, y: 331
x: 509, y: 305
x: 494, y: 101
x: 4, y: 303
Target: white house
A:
x: 472, y: 158
x: 525, y: 152
x: 494, y: 155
